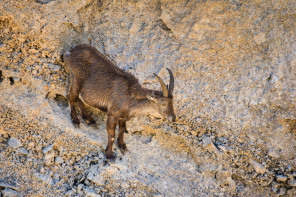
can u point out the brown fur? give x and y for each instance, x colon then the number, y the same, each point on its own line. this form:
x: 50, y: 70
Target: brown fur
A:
x: 98, y: 82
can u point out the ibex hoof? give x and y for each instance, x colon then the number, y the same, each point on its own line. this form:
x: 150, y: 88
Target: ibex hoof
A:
x: 76, y: 122
x: 77, y: 126
x: 122, y: 147
x: 110, y: 156
x: 90, y: 121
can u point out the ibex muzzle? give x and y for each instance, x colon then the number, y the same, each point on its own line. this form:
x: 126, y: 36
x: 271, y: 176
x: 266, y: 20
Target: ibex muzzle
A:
x: 96, y: 81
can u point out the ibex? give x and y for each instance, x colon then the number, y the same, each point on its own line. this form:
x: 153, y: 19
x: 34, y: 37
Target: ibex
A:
x: 99, y: 83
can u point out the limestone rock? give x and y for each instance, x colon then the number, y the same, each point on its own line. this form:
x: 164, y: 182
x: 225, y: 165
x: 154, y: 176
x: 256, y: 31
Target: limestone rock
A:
x: 14, y: 142
x: 234, y: 67
x: 91, y: 193
x: 6, y: 185
x: 45, y: 178
x: 49, y: 157
x: 2, y: 131
x: 208, y: 144
x: 281, y: 178
x: 274, y: 154
x: 59, y: 160
x: 48, y: 148
x: 7, y: 192
x: 292, y: 183
x: 23, y: 151
x: 96, y: 178
x: 257, y: 166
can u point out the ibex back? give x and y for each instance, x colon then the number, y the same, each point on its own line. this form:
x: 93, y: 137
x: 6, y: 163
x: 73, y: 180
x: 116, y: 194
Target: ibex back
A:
x: 97, y: 82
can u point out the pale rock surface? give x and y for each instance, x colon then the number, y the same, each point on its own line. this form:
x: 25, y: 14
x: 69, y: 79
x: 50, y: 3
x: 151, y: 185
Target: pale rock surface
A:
x: 234, y: 66
x: 14, y: 142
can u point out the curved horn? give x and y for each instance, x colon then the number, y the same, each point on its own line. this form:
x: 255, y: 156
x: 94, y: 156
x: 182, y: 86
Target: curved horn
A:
x: 172, y: 82
x: 163, y: 86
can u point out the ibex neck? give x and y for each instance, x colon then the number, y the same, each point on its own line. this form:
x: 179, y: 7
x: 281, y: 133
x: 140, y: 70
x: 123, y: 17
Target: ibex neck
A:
x: 143, y: 106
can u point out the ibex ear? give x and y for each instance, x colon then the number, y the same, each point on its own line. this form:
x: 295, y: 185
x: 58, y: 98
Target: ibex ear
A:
x: 151, y: 98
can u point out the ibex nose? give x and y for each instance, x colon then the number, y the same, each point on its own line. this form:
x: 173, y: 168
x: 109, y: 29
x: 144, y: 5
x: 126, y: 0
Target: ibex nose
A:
x: 172, y: 118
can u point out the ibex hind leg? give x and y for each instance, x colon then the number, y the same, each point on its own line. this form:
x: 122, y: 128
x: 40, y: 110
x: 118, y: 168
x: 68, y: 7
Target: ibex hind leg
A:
x: 120, y: 139
x: 72, y: 97
x: 85, y: 114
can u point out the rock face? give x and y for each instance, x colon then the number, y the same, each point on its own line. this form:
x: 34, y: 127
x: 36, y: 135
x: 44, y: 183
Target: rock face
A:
x: 234, y: 65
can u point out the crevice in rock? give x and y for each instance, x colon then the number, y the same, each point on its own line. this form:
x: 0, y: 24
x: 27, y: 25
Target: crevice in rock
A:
x: 163, y: 26
x: 1, y: 76
x: 61, y: 100
x: 44, y: 1
x: 11, y: 80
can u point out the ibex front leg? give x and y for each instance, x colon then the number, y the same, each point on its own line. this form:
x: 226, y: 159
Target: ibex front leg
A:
x: 122, y: 129
x: 72, y: 97
x: 111, y: 126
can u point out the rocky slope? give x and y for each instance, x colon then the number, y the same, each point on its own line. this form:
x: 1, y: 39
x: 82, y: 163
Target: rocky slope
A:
x: 234, y: 64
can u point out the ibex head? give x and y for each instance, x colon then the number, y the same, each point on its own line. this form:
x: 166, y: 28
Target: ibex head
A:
x: 164, y: 102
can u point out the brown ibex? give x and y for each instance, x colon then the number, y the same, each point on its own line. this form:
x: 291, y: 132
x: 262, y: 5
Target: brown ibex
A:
x: 97, y: 82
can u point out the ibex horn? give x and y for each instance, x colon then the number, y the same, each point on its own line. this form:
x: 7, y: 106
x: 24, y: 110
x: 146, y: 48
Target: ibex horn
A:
x: 163, y: 86
x: 172, y: 82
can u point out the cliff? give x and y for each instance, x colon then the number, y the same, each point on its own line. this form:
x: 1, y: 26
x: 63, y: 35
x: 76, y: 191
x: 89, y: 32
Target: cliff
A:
x: 235, y: 76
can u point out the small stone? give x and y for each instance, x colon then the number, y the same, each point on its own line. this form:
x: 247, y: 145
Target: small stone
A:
x: 208, y: 144
x: 274, y: 154
x: 56, y: 176
x: 290, y: 176
x: 2, y: 131
x: 194, y: 133
x: 72, y: 161
x: 281, y: 178
x: 42, y: 170
x: 23, y: 151
x: 292, y: 183
x: 16, y: 79
x: 2, y: 47
x: 99, y: 180
x: 6, y: 185
x: 14, y: 142
x: 56, y: 68
x: 206, y: 141
x: 257, y: 166
x: 91, y: 193
x: 69, y: 193
x: 226, y: 149
x: 186, y: 128
x: 207, y: 167
x: 282, y: 191
x: 80, y: 186
x: 39, y: 147
x: 98, y: 177
x: 7, y: 192
x: 80, y: 189
x: 48, y: 158
x: 33, y: 51
x: 34, y: 72
x: 59, y: 160
x: 45, y: 178
x: 47, y: 149
x: 78, y: 158
x: 275, y: 186
x: 31, y: 144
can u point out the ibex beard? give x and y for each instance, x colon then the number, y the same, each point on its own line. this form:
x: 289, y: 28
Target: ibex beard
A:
x: 99, y: 83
